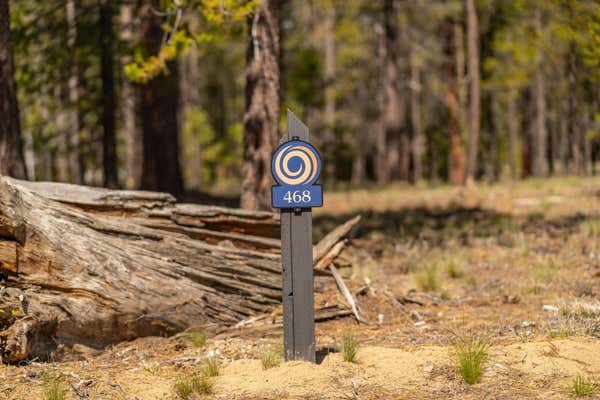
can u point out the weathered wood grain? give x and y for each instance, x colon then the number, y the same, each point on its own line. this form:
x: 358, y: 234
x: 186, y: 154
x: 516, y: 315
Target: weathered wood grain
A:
x: 98, y: 266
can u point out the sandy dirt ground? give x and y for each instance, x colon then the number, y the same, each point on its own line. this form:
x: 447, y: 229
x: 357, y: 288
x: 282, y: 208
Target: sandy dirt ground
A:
x: 516, y: 266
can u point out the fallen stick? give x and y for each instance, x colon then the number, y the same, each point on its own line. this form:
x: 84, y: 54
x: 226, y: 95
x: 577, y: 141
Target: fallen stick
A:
x: 346, y: 293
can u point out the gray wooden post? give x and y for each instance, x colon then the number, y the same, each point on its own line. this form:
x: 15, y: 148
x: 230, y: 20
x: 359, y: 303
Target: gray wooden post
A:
x: 297, y: 270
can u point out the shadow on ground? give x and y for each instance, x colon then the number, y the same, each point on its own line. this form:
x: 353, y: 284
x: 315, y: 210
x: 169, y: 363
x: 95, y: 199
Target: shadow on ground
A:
x: 453, y: 223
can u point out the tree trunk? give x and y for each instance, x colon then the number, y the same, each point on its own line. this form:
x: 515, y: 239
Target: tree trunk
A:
x: 189, y: 80
x: 109, y: 139
x: 418, y: 140
x: 74, y: 157
x: 159, y: 102
x: 574, y: 112
x: 133, y: 139
x: 540, y: 163
x: 513, y: 134
x: 261, y: 120
x: 329, y: 111
x: 456, y: 158
x: 474, y: 89
x: 389, y: 148
x: 93, y: 266
x: 12, y: 161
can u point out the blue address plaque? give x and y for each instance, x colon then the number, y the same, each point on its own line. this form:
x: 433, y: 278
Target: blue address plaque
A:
x: 296, y: 167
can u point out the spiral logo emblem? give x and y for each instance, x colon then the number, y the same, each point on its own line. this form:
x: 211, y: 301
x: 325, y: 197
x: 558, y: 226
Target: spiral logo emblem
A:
x: 296, y: 163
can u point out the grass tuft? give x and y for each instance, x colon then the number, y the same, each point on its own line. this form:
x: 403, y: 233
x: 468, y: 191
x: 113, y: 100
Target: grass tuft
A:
x: 197, y: 338
x: 270, y: 358
x: 54, y: 388
x: 427, y: 279
x: 202, y: 385
x: 472, y: 354
x: 184, y: 389
x: 591, y: 227
x: 210, y: 367
x: 350, y: 347
x: 199, y: 384
x: 454, y: 268
x: 583, y: 387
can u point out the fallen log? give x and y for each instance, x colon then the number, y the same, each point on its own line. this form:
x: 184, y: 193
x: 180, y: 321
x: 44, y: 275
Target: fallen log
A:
x: 94, y: 266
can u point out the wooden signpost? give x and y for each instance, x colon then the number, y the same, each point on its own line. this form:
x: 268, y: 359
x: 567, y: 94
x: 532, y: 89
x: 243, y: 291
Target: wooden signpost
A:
x: 296, y: 166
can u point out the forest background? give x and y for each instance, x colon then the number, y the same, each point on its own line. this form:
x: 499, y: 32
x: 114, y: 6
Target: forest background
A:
x: 187, y: 96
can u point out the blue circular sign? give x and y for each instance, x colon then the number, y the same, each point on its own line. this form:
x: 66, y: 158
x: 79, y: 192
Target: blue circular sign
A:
x: 296, y: 163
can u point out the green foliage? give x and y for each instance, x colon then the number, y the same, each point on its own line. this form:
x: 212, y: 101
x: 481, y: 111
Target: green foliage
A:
x: 144, y: 69
x: 350, y: 347
x: 471, y: 353
x: 217, y: 16
x: 583, y: 387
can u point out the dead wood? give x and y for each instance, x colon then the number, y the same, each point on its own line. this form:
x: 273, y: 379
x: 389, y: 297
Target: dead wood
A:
x: 95, y: 266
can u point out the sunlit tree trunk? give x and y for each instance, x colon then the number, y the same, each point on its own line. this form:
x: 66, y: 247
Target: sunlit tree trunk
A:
x: 474, y: 90
x: 456, y: 158
x: 159, y: 102
x: 12, y: 162
x: 132, y: 136
x: 418, y: 140
x: 540, y: 139
x: 261, y: 120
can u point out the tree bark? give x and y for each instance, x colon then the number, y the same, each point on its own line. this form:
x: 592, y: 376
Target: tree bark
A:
x: 93, y: 266
x: 474, y: 90
x: 159, y: 102
x: 12, y: 162
x: 109, y: 139
x: 390, y: 154
x: 74, y: 156
x: 540, y: 162
x: 329, y: 111
x: 513, y: 134
x: 261, y: 120
x: 456, y: 158
x: 418, y: 140
x: 189, y: 74
x: 133, y: 139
